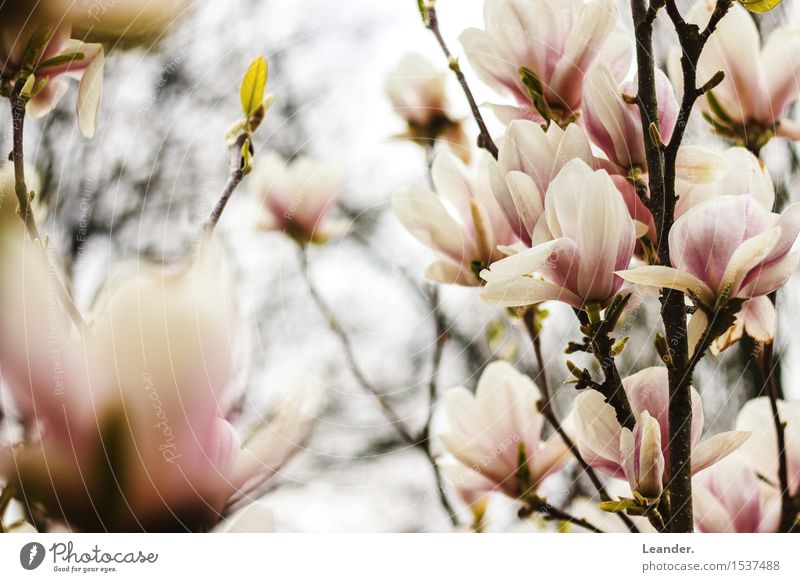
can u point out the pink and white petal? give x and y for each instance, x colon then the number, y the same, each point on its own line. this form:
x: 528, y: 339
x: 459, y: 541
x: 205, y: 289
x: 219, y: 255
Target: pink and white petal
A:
x: 667, y: 277
x: 453, y: 182
x: 765, y: 280
x: 89, y: 93
x: 648, y: 391
x: 606, y: 238
x: 651, y: 464
x: 449, y: 273
x: 550, y: 458
x: 49, y: 97
x: 780, y: 59
x: 507, y: 114
x: 525, y: 262
x: 699, y: 165
x: 710, y: 516
x: 422, y: 213
x: 597, y: 433
x: 759, y: 319
x: 502, y: 194
x: 527, y: 199
x: 522, y: 291
x: 788, y: 128
x: 563, y: 199
x: 526, y: 148
x: 716, y: 448
x: 698, y: 324
x: 749, y: 254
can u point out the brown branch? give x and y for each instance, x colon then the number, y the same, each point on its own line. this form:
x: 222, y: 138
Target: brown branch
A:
x: 237, y: 174
x: 485, y: 140
x: 661, y: 162
x: 18, y: 104
x: 540, y: 506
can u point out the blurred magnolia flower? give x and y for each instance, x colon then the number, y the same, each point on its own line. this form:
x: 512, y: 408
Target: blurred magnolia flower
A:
x: 473, y: 489
x: 124, y: 22
x: 131, y: 419
x: 417, y: 92
x: 752, y: 102
x: 255, y: 518
x: 529, y: 160
x: 297, y: 196
x: 641, y: 456
x: 761, y: 450
x: 556, y: 41
x: 497, y: 432
x: 462, y: 221
x: 726, y: 248
x: 614, y: 123
x: 585, y: 235
x: 50, y: 55
x: 730, y: 498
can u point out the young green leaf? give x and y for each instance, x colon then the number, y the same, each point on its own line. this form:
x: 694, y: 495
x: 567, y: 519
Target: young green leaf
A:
x: 253, y: 85
x: 760, y: 5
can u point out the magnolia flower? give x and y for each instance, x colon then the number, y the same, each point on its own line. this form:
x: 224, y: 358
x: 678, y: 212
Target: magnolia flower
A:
x: 761, y: 451
x: 557, y: 41
x: 297, y: 196
x: 132, y: 418
x: 641, y: 456
x: 25, y: 51
x: 585, y: 235
x: 529, y: 160
x: 417, y: 92
x: 760, y: 84
x: 462, y: 222
x: 614, y: 124
x: 728, y: 247
x: 743, y: 174
x: 730, y: 498
x: 498, y: 429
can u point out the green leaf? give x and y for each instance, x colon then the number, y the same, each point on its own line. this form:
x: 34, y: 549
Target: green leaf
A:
x: 535, y: 92
x: 253, y: 85
x: 717, y: 109
x: 59, y: 60
x: 760, y: 5
x: 619, y: 506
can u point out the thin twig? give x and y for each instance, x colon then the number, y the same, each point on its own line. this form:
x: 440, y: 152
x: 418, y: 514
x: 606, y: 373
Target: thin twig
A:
x: 547, y: 410
x: 237, y: 174
x: 423, y: 441
x: 485, y: 140
x: 536, y: 505
x: 18, y: 104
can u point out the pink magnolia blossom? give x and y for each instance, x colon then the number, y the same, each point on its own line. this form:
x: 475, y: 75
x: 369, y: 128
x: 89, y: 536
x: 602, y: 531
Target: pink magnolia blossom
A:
x: 131, y: 419
x: 529, y: 160
x: 760, y: 81
x: 728, y: 247
x: 297, y: 196
x: 615, y: 125
x: 57, y: 57
x: 416, y: 90
x: 462, y: 222
x: 730, y: 498
x: 585, y: 235
x: 641, y: 456
x: 557, y: 40
x: 761, y: 452
x: 491, y: 430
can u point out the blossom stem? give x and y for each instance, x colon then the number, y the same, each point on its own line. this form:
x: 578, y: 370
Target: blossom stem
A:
x: 422, y: 442
x: 18, y: 104
x: 237, y: 174
x: 485, y: 140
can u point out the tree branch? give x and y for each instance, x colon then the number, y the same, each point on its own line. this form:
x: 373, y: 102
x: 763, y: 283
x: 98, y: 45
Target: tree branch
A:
x: 237, y: 174
x: 661, y: 173
x: 18, y: 104
x: 485, y: 140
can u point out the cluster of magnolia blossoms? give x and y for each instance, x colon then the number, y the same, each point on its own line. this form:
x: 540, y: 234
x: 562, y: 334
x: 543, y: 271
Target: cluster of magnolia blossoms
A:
x: 562, y: 214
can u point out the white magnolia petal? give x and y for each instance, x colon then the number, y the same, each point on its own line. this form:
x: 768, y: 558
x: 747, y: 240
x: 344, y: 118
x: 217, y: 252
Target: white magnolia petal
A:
x: 716, y: 448
x: 658, y: 276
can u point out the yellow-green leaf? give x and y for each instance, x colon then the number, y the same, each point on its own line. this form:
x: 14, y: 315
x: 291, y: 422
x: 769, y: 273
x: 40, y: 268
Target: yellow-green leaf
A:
x: 253, y: 85
x: 760, y: 5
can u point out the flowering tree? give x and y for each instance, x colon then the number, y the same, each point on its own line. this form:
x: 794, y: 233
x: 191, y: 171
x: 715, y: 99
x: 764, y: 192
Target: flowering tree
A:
x: 586, y: 198
x: 599, y: 189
